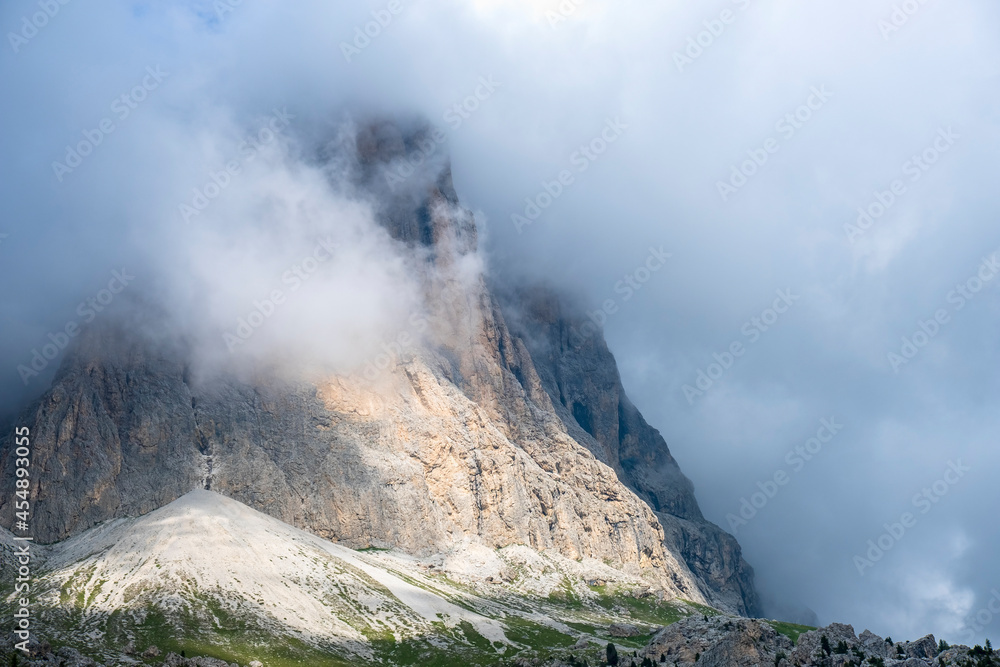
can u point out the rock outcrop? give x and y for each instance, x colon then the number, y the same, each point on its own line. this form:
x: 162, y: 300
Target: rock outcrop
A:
x: 718, y: 641
x: 721, y: 641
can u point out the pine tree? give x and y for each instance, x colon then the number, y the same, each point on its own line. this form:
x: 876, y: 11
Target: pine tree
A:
x: 612, y: 654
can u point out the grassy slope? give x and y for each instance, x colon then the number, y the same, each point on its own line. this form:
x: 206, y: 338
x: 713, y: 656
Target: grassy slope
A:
x: 790, y: 630
x: 535, y: 627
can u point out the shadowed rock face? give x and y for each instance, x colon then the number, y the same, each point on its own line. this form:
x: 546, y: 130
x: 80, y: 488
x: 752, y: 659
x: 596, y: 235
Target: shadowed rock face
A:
x: 496, y: 428
x: 581, y: 377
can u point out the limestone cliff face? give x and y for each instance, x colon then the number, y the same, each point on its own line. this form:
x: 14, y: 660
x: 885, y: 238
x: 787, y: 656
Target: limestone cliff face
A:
x: 493, y: 429
x: 580, y: 375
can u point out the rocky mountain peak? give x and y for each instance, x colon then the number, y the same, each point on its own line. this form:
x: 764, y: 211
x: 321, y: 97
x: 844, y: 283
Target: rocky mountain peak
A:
x: 489, y: 427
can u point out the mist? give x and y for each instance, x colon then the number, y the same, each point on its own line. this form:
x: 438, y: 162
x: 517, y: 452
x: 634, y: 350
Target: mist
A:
x: 822, y: 177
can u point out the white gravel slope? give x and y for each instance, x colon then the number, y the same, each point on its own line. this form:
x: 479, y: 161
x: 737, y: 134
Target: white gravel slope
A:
x: 205, y: 545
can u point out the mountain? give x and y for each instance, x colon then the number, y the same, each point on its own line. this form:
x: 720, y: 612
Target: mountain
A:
x: 207, y: 576
x: 489, y: 434
x: 211, y: 576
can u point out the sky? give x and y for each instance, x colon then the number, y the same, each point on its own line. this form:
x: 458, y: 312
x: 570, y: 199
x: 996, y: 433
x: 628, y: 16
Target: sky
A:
x: 819, y: 349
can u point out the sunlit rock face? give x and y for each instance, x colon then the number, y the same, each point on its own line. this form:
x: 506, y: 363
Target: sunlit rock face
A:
x: 482, y: 423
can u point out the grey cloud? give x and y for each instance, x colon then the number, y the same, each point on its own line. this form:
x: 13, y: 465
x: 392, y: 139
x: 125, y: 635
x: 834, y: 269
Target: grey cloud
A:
x: 656, y: 186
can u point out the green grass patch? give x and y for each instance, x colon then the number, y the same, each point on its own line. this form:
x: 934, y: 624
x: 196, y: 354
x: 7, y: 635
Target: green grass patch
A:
x: 639, y: 641
x: 705, y: 610
x: 790, y: 630
x: 565, y: 596
x: 473, y: 637
x: 647, y: 609
x: 235, y: 643
x: 585, y: 628
x: 420, y: 651
x: 535, y: 635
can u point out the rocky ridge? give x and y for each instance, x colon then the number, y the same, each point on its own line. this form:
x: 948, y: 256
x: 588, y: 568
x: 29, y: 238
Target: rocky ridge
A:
x: 721, y: 641
x: 726, y: 641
